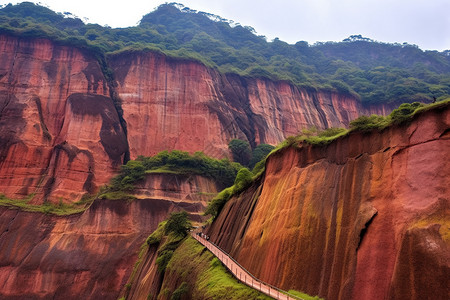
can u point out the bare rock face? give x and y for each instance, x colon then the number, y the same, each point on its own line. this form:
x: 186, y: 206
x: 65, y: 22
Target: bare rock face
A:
x: 59, y: 130
x: 88, y: 255
x: 171, y: 103
x: 366, y: 217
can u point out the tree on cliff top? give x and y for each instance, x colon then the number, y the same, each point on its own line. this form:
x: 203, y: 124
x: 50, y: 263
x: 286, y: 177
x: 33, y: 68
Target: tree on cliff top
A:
x: 241, y: 151
x: 259, y: 153
x: 178, y: 223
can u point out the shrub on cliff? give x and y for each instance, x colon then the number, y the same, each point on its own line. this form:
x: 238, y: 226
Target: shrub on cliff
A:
x: 259, y: 153
x: 178, y: 223
x: 241, y: 151
x: 216, y: 204
x: 168, y: 236
x: 366, y: 123
x: 180, y: 291
x: 404, y: 111
x: 243, y: 179
x: 222, y: 171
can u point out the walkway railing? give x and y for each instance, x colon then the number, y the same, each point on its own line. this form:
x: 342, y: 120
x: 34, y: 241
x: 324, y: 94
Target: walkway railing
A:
x: 242, y: 274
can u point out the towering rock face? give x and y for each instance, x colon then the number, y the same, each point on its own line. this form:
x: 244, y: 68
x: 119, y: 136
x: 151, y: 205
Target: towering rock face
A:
x: 89, y: 255
x: 366, y: 217
x: 60, y: 134
x: 177, y: 104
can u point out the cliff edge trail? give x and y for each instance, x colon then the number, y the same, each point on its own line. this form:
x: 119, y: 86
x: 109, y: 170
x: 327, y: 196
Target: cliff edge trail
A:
x: 242, y: 274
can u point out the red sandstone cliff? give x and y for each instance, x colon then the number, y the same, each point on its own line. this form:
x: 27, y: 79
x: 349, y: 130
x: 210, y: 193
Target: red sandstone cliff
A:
x: 366, y: 217
x: 60, y: 134
x: 89, y: 255
x: 178, y: 104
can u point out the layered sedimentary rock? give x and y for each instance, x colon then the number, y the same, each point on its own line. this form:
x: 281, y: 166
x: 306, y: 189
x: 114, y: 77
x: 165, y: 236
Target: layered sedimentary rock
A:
x: 88, y: 255
x: 172, y: 103
x: 60, y: 134
x: 366, y: 217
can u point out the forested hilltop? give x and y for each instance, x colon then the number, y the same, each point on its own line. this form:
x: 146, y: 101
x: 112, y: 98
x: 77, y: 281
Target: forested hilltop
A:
x: 372, y: 71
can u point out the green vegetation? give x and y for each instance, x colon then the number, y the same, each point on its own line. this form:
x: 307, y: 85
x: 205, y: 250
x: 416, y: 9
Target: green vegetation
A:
x: 259, y: 153
x: 178, y: 223
x: 60, y: 209
x: 168, y: 236
x: 204, y: 275
x: 216, y: 204
x: 303, y: 295
x: 243, y: 179
x: 372, y: 71
x: 404, y: 113
x: 180, y: 291
x: 241, y: 151
x: 222, y: 171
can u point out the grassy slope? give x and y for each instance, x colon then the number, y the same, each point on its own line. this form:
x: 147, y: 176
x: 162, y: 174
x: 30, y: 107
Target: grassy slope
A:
x: 60, y: 209
x: 204, y: 274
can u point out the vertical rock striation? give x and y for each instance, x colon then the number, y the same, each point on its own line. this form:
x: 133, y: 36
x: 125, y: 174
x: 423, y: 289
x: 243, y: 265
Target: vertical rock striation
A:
x: 61, y: 135
x: 59, y: 130
x: 89, y: 255
x: 172, y: 103
x: 366, y: 217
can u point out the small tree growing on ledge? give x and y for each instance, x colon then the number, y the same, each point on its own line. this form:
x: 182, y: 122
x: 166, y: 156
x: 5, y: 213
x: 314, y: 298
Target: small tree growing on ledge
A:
x: 241, y: 151
x: 178, y: 223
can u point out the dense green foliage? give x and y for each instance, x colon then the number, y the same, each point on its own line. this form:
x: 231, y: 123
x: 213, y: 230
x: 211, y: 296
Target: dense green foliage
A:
x: 222, y: 171
x: 216, y: 204
x: 243, y: 179
x: 241, y: 151
x: 405, y: 112
x: 399, y: 115
x: 168, y: 236
x: 178, y: 223
x: 204, y: 274
x: 259, y: 153
x: 180, y: 291
x: 60, y: 209
x: 369, y: 70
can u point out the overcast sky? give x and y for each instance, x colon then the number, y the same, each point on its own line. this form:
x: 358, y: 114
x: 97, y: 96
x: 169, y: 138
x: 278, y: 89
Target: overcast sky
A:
x: 425, y: 23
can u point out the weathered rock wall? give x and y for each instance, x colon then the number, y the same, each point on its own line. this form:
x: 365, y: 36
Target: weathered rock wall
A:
x: 60, y: 134
x: 88, y: 255
x: 366, y: 217
x: 172, y: 103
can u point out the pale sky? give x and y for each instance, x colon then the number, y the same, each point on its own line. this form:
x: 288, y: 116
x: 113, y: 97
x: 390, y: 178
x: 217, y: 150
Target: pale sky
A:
x: 425, y: 23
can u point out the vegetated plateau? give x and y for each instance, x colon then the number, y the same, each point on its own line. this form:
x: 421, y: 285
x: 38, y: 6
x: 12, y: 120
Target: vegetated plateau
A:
x: 96, y: 201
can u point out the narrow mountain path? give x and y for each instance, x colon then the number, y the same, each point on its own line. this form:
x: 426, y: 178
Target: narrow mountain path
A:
x: 242, y: 274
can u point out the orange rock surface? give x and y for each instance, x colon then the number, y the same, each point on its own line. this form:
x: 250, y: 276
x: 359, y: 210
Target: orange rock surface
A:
x: 366, y: 217
x: 88, y: 255
x: 60, y: 134
x: 171, y: 103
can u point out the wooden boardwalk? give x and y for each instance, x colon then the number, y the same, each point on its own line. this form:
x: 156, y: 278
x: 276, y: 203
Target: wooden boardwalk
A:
x: 242, y: 274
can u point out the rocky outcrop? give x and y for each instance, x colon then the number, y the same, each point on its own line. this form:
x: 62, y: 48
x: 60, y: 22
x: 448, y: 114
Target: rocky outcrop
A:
x: 60, y: 135
x: 366, y: 217
x: 88, y: 255
x: 188, y: 192
x: 172, y: 103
